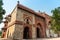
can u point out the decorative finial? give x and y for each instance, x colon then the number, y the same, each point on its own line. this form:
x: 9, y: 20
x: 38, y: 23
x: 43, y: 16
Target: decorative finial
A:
x: 18, y: 2
x: 39, y: 10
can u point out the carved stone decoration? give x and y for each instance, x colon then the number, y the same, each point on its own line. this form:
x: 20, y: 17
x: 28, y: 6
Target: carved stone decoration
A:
x: 27, y: 19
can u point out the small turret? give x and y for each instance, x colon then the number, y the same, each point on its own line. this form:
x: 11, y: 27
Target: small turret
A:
x: 18, y: 2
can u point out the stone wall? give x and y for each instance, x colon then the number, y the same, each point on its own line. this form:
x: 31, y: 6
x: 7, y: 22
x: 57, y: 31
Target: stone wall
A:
x: 18, y: 33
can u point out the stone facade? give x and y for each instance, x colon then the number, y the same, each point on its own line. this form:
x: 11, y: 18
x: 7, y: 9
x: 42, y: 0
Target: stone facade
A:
x: 24, y: 23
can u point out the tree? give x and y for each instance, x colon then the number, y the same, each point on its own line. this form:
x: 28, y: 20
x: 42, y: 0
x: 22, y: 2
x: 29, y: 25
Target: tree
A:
x: 0, y: 33
x: 2, y: 11
x: 56, y: 20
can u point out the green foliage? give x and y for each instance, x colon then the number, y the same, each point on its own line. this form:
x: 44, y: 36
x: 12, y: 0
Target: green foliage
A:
x: 56, y: 19
x: 0, y: 33
x: 2, y: 11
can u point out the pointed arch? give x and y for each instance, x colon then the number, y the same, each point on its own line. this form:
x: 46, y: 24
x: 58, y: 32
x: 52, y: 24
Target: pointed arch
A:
x: 26, y: 33
x: 49, y: 24
x: 39, y: 26
x: 27, y: 20
x: 38, y: 30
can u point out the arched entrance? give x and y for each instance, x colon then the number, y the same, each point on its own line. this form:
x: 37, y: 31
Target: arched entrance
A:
x: 38, y: 31
x: 26, y: 33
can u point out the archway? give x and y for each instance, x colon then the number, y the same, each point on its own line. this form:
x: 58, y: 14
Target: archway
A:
x: 38, y: 31
x: 26, y: 33
x: 27, y: 20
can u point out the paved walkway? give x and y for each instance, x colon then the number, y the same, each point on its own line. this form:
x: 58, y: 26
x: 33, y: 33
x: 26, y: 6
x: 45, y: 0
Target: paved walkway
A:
x: 38, y: 39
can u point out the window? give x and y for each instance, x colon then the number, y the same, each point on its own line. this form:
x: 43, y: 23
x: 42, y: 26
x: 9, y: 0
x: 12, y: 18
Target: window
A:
x: 9, y: 19
x: 4, y: 30
x: 27, y: 21
x: 3, y: 36
x: 49, y: 25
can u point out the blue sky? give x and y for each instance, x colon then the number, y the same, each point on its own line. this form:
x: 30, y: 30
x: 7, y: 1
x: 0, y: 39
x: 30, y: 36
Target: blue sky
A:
x: 42, y: 5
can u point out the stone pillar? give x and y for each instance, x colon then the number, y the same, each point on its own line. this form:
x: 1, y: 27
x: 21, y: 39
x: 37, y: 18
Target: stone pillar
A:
x: 33, y: 32
x: 18, y: 33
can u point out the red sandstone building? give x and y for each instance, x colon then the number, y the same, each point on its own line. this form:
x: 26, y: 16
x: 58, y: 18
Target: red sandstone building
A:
x: 25, y: 23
